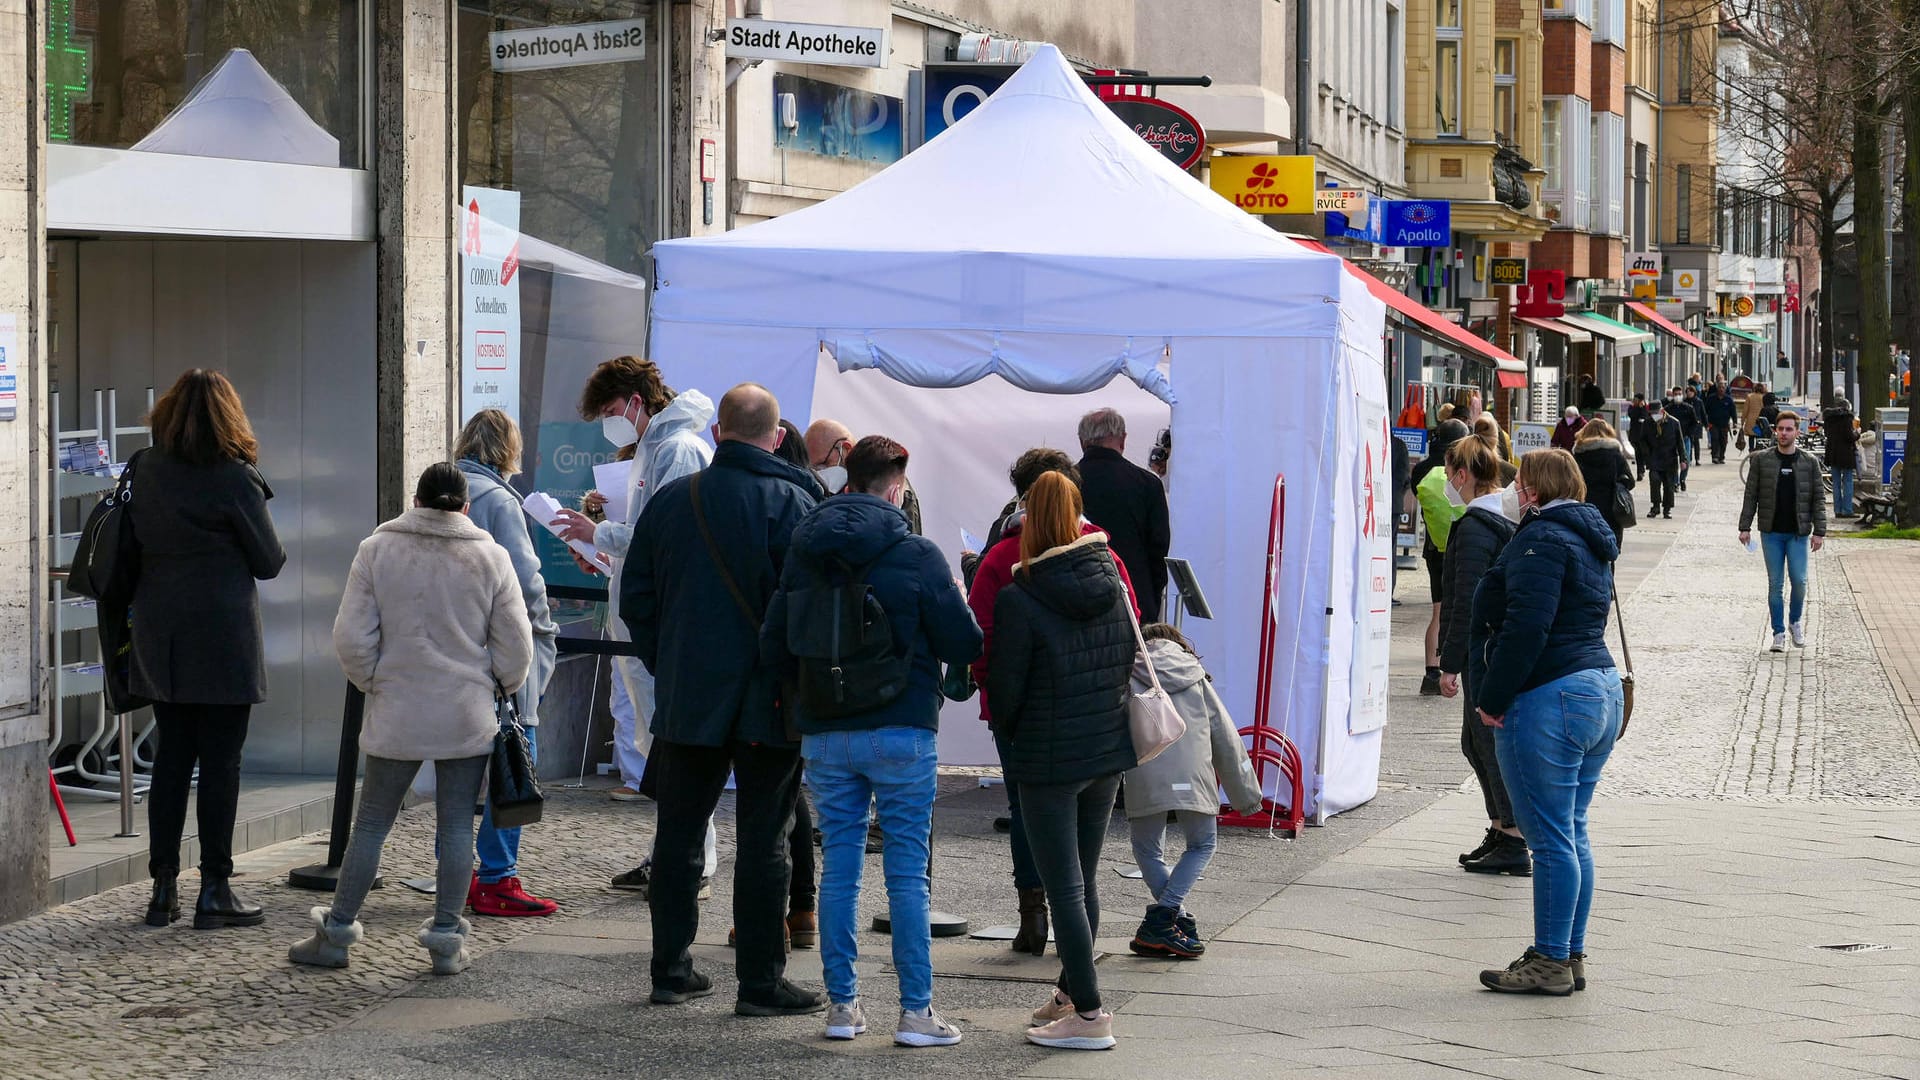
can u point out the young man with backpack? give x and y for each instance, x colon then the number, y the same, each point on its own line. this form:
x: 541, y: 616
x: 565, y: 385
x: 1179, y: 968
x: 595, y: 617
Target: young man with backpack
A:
x: 865, y: 615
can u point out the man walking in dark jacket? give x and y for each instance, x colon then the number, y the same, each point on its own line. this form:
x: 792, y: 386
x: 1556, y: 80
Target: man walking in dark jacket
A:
x: 1720, y: 415
x: 707, y: 554
x: 1843, y: 455
x: 1682, y: 413
x: 872, y: 747
x: 1128, y: 503
x: 1664, y: 445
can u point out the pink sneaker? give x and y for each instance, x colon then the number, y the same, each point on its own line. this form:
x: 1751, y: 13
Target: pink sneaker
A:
x: 1076, y: 1032
x: 1057, y: 1006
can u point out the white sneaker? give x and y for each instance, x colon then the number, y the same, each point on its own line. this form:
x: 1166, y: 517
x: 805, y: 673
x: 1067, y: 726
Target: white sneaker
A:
x: 928, y: 1030
x: 845, y: 1020
x: 1799, y: 634
x: 1779, y: 643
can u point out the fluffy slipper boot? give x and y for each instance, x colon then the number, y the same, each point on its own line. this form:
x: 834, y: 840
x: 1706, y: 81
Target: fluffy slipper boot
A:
x: 447, y: 947
x: 328, y: 945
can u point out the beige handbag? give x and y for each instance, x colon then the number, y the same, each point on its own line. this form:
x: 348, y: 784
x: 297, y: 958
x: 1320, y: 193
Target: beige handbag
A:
x: 1151, y: 718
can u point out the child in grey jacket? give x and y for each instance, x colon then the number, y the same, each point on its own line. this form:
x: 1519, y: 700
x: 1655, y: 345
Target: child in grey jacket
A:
x: 1184, y: 779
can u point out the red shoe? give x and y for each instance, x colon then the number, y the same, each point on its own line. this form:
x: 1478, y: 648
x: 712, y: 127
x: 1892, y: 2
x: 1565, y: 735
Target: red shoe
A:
x: 506, y: 899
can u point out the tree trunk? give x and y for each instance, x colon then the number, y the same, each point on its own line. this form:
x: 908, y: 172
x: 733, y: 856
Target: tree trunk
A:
x: 1829, y: 245
x: 1908, y: 512
x: 1870, y: 249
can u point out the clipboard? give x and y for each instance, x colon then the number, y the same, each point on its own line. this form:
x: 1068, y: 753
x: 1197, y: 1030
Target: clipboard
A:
x: 1192, y: 600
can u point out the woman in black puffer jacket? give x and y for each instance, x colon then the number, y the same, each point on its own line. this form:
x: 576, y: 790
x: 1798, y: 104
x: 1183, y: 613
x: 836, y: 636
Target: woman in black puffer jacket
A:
x: 1057, y: 675
x: 1604, y: 468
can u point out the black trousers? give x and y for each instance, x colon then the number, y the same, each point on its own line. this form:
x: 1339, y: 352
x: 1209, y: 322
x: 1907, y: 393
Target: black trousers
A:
x: 212, y: 736
x: 1717, y: 439
x: 1066, y: 827
x: 805, y: 887
x: 1476, y: 742
x: 689, y: 781
x: 1662, y: 484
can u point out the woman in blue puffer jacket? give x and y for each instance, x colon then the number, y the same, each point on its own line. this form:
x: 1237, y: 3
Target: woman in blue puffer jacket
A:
x: 1554, y: 699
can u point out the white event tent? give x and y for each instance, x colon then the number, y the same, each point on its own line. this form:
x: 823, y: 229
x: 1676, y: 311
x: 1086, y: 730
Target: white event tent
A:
x: 1041, y: 241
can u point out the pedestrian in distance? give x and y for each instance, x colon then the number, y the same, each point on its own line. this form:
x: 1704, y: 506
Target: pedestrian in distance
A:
x: 705, y: 558
x: 1477, y: 540
x: 1568, y: 429
x: 993, y: 572
x: 1843, y: 455
x: 1438, y: 512
x: 1128, y: 503
x: 488, y: 453
x: 1604, y: 470
x: 1554, y: 699
x: 1592, y: 398
x: 1182, y: 782
x: 1639, y: 431
x: 433, y: 628
x: 865, y: 696
x: 199, y: 512
x: 1721, y: 413
x: 1058, y: 666
x: 1680, y: 408
x: 1665, y: 444
x: 636, y: 408
x: 1786, y: 495
x: 1696, y: 431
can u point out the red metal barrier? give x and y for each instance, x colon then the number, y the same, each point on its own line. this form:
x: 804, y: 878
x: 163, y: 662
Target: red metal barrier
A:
x: 1271, y: 747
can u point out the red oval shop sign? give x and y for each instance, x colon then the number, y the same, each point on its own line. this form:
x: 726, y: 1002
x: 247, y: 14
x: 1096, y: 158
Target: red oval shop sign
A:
x: 1167, y: 128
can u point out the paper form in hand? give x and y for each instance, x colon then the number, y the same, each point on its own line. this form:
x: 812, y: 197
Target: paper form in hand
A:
x: 542, y: 508
x: 970, y: 542
x: 610, y: 480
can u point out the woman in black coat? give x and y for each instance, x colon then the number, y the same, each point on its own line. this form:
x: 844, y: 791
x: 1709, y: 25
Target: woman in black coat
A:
x: 1057, y: 674
x: 1473, y: 468
x: 1604, y: 468
x: 200, y: 515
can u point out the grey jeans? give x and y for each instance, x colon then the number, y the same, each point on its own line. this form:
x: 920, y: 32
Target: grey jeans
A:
x: 384, y: 786
x: 1170, y: 888
x: 1066, y: 827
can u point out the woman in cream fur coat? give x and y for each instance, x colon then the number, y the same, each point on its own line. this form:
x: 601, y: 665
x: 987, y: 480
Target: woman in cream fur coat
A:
x: 432, y: 625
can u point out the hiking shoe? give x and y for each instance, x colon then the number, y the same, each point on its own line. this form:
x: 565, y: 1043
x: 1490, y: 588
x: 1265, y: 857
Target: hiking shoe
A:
x: 637, y: 879
x: 924, y: 1030
x: 626, y: 794
x: 1486, y: 844
x: 1158, y: 936
x: 1430, y: 685
x: 1799, y: 632
x: 1779, y: 643
x: 506, y: 899
x: 785, y: 999
x: 1057, y: 1006
x: 1533, y: 973
x: 1578, y: 962
x: 695, y: 986
x: 1075, y: 1032
x: 845, y: 1020
x: 803, y: 929
x: 1189, y: 927
x: 1509, y: 856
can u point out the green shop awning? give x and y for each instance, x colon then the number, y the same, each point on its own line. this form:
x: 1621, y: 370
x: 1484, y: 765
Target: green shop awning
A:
x: 1622, y: 335
x: 1757, y: 339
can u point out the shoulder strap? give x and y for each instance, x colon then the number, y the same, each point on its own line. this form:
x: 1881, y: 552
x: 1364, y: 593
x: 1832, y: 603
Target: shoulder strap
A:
x: 713, y: 551
x: 1133, y: 620
x: 1625, y: 653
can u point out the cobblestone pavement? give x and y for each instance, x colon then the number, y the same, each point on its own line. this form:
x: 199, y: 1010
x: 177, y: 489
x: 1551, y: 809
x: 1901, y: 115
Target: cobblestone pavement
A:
x: 1882, y: 575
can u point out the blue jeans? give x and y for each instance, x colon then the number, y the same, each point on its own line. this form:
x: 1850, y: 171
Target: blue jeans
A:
x: 1555, y: 740
x: 1785, y: 553
x: 893, y: 768
x: 1025, y: 874
x: 499, y: 849
x: 1842, y: 491
x: 1170, y: 888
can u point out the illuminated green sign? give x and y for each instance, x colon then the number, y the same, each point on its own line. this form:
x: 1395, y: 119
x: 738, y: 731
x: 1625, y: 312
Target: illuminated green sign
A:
x: 69, y: 70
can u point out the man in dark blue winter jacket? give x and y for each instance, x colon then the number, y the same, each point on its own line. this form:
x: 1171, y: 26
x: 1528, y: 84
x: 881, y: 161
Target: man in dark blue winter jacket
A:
x: 707, y: 554
x: 867, y: 703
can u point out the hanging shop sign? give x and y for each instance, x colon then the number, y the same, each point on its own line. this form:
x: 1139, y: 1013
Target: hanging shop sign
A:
x: 576, y: 45
x: 489, y: 230
x: 1349, y: 201
x: 1741, y: 307
x: 1506, y: 271
x: 1169, y: 129
x: 807, y: 43
x: 1411, y: 222
x: 1686, y: 284
x: 1543, y: 295
x: 1264, y: 183
x: 947, y: 92
x: 1643, y: 274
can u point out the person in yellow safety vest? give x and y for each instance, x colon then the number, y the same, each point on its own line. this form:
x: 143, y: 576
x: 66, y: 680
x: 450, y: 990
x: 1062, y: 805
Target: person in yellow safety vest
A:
x: 1439, y: 513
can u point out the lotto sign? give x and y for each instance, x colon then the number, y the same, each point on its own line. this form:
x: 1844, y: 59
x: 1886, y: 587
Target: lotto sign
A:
x: 1504, y: 271
x: 1264, y: 183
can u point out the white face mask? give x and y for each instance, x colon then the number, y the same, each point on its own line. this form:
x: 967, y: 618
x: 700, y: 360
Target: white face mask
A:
x: 1453, y: 495
x: 1510, y: 503
x: 834, y: 477
x: 619, y: 430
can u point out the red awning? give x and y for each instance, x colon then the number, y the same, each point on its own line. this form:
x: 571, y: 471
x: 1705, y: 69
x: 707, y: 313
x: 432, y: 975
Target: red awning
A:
x: 1512, y: 374
x: 1667, y: 326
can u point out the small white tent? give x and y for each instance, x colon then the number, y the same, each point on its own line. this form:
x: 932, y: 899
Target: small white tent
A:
x: 238, y: 110
x: 1041, y: 240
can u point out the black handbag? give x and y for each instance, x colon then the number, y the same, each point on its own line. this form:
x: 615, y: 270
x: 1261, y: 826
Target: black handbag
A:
x: 513, y: 791
x: 113, y: 621
x: 106, y: 562
x: 1623, y: 511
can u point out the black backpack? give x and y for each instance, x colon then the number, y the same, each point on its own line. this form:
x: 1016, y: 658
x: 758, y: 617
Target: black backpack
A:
x: 842, y: 642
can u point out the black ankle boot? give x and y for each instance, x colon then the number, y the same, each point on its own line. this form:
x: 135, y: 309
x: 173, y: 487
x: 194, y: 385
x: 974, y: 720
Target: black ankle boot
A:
x: 1032, y: 937
x: 164, y: 908
x: 1509, y: 856
x: 218, y: 907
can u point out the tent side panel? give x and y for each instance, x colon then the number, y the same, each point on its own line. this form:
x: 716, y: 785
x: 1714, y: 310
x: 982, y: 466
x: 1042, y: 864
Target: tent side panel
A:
x: 714, y: 358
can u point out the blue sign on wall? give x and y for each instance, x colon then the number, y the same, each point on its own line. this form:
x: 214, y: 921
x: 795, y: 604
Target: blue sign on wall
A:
x: 951, y: 91
x: 840, y: 121
x: 1410, y: 222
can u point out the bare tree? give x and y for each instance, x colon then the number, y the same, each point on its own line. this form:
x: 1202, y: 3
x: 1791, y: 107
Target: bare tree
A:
x: 1908, y: 13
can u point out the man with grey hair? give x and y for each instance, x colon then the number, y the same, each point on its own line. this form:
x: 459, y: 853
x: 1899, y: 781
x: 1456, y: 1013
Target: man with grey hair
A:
x: 1128, y: 503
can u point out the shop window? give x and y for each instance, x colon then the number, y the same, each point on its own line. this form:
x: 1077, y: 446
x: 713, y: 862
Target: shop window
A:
x: 116, y: 74
x: 1446, y: 87
x: 1505, y: 89
x: 1446, y: 14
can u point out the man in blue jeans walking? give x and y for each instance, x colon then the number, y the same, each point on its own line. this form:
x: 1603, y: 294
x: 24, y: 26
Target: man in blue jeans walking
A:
x: 1786, y: 493
x: 865, y: 615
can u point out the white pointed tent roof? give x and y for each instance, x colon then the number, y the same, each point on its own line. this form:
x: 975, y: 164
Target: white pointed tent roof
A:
x: 1039, y: 211
x: 240, y: 111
